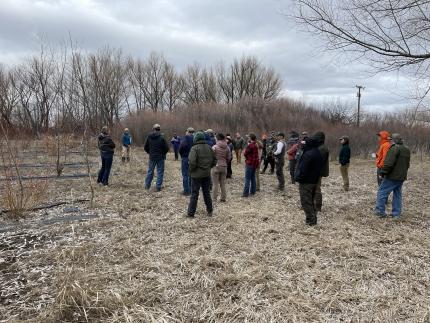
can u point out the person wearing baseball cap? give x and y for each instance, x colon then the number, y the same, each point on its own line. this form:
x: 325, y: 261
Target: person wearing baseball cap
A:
x: 157, y: 148
x: 344, y: 158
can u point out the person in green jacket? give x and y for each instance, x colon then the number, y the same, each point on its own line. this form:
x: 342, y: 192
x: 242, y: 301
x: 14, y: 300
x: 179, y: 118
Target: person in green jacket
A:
x: 201, y: 160
x: 344, y: 157
x: 394, y: 173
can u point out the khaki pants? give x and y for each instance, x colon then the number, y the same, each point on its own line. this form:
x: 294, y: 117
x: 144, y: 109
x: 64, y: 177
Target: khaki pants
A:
x: 219, y: 174
x: 345, y: 176
x: 238, y: 155
x: 125, y: 152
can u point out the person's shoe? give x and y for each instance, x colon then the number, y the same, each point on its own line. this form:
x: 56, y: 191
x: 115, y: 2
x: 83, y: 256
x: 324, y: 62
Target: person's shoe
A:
x: 210, y: 213
x: 222, y: 200
x: 186, y: 194
x: 271, y: 173
x: 281, y: 189
x: 128, y: 159
x: 123, y: 159
x: 244, y: 195
x: 262, y: 172
x: 158, y: 189
x: 190, y: 216
x: 380, y: 215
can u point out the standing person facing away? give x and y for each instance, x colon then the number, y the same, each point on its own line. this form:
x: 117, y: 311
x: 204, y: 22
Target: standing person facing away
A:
x: 201, y: 160
x: 176, y: 141
x: 393, y: 173
x: 384, y: 146
x: 219, y: 172
x: 184, y: 151
x: 126, y: 144
x: 319, y: 137
x: 308, y: 171
x: 344, y: 158
x: 270, y: 159
x: 239, y: 143
x: 157, y: 148
x: 280, y: 160
x: 252, y: 162
x: 107, y: 149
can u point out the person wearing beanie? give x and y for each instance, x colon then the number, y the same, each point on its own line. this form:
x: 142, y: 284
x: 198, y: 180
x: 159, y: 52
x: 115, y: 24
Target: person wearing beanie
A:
x: 107, y: 150
x: 157, y: 148
x: 126, y: 144
x: 201, y: 160
x: 394, y: 172
x: 308, y: 173
x: 344, y: 158
x: 184, y: 151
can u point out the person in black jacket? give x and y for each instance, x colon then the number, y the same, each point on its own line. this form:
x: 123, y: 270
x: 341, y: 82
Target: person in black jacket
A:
x: 307, y: 174
x: 157, y: 148
x: 344, y: 157
x: 320, y: 138
x: 184, y: 151
x: 107, y: 149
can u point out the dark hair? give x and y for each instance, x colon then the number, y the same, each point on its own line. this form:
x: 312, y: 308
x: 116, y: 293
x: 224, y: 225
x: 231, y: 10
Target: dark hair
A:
x: 220, y: 136
x: 253, y: 137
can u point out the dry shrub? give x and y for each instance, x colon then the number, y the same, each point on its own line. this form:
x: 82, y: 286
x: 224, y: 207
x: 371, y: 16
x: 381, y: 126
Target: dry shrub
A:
x: 17, y: 202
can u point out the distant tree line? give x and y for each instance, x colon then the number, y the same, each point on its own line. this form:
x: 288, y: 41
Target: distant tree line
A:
x: 67, y: 89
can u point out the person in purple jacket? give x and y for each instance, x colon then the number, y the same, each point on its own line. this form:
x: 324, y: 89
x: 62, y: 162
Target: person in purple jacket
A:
x: 176, y: 142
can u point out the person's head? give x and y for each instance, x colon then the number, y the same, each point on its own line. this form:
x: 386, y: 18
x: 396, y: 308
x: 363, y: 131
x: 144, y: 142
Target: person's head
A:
x: 210, y: 132
x: 175, y: 135
x: 304, y: 135
x: 237, y: 135
x: 397, y: 138
x: 280, y: 136
x: 252, y: 137
x: 199, y: 136
x: 220, y: 136
x: 264, y: 137
x: 228, y: 137
x: 294, y: 134
x: 319, y: 136
x: 156, y: 127
x: 344, y: 140
x: 383, y: 136
x: 105, y: 130
x: 190, y: 130
x: 126, y: 130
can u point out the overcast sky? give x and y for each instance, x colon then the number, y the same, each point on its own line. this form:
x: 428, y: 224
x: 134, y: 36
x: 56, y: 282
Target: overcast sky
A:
x: 203, y: 31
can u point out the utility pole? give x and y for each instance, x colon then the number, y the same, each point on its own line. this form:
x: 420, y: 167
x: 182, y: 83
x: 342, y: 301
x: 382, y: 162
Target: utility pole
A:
x: 359, y: 87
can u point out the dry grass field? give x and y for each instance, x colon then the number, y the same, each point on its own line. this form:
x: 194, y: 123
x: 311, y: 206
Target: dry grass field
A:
x: 134, y: 257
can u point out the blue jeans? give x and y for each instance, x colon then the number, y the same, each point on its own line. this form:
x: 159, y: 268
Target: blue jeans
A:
x: 185, y: 176
x: 103, y: 176
x: 150, y: 175
x: 387, y: 186
x: 249, y: 179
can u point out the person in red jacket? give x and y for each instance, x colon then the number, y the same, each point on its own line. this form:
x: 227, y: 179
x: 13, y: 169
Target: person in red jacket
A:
x: 384, y: 146
x: 252, y: 162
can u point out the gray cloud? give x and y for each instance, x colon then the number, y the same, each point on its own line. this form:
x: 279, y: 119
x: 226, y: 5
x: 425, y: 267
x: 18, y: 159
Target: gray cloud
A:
x: 200, y: 31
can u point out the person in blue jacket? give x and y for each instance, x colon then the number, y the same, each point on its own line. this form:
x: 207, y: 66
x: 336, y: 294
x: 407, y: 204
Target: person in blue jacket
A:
x: 184, y: 151
x: 126, y: 144
x: 176, y: 142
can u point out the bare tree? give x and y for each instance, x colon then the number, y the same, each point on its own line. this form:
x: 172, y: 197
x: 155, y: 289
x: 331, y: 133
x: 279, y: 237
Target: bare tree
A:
x: 387, y: 34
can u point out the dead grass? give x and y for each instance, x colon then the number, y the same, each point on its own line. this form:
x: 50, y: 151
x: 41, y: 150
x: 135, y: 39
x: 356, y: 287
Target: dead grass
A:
x: 254, y: 261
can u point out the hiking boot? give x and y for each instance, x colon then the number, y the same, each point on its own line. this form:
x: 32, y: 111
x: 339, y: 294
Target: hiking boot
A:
x: 211, y: 213
x: 189, y: 216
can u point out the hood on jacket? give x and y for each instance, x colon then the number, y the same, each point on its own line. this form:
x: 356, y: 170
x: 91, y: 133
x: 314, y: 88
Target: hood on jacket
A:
x: 198, y: 136
x: 384, y: 136
x: 311, y: 143
x: 103, y: 135
x: 319, y: 137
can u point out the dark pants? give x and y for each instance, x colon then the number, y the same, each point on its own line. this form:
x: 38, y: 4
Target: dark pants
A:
x: 176, y: 154
x: 269, y: 160
x: 292, y: 167
x: 318, y: 199
x: 105, y: 170
x: 280, y: 174
x: 307, y: 196
x: 229, y: 169
x: 196, y: 183
x: 250, y: 186
x: 185, y: 176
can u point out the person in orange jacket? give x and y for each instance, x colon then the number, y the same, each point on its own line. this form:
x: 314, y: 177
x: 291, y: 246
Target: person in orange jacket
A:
x: 384, y: 146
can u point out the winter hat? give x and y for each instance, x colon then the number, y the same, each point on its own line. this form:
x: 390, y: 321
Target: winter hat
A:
x: 199, y: 135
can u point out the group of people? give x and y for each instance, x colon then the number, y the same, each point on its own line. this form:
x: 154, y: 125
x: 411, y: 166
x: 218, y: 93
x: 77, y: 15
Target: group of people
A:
x: 206, y: 163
